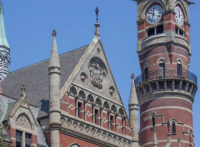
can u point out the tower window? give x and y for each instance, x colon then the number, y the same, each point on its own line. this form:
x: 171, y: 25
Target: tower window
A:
x: 155, y: 30
x: 159, y: 29
x: 173, y: 127
x: 153, y: 121
x: 179, y: 70
x: 151, y: 32
x: 146, y: 73
x: 162, y: 70
x: 179, y: 31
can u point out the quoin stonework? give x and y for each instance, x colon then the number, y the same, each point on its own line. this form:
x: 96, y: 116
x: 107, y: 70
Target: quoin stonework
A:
x: 72, y: 100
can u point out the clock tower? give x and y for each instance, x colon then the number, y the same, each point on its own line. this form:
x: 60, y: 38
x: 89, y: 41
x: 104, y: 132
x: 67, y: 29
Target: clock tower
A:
x: 165, y: 88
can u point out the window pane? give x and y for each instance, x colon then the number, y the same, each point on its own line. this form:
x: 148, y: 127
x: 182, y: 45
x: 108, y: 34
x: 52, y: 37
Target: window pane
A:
x: 28, y: 140
x: 162, y: 70
x: 179, y: 70
x: 151, y: 32
x: 18, y: 138
x: 146, y: 74
x: 159, y: 29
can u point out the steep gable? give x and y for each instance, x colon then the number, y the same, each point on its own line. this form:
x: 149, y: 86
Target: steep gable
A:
x: 36, y: 79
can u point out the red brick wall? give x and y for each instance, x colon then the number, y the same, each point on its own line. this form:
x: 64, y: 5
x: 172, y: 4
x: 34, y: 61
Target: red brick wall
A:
x: 67, y: 101
x: 166, y: 109
x: 66, y: 141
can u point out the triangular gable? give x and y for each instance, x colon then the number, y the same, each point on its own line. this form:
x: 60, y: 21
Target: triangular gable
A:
x: 93, y: 73
x: 22, y: 112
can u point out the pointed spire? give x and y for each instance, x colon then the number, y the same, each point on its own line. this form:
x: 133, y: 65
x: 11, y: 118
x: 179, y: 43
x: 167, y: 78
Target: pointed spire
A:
x: 54, y: 59
x: 97, y: 25
x: 155, y: 142
x: 3, y: 38
x: 133, y: 100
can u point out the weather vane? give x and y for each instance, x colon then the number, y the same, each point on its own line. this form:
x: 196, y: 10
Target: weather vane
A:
x: 97, y: 14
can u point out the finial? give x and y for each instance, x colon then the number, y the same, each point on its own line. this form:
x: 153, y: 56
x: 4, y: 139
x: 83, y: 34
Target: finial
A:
x: 23, y: 88
x: 97, y: 25
x: 54, y: 33
x: 132, y: 76
x: 97, y: 14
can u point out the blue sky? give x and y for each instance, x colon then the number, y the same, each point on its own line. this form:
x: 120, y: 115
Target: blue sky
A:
x: 29, y: 25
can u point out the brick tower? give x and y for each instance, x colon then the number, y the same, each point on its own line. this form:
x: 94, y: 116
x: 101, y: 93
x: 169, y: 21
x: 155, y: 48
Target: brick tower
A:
x: 166, y: 88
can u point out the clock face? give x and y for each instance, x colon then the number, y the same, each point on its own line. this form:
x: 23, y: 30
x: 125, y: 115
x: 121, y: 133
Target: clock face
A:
x: 179, y: 15
x: 154, y: 14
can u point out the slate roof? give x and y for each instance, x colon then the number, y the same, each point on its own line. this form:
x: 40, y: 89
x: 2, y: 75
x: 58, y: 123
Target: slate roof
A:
x: 36, y: 79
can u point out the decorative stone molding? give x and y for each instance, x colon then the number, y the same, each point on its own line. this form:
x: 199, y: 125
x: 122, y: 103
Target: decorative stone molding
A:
x: 97, y: 71
x: 92, y: 98
x: 23, y: 122
x: 93, y: 134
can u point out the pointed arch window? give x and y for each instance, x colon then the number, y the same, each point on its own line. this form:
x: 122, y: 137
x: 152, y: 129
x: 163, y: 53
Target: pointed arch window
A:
x: 124, y: 126
x: 146, y: 71
x: 173, y: 127
x: 162, y: 68
x: 153, y: 121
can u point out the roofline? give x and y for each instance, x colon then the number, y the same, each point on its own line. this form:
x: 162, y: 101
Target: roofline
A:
x: 47, y: 59
x: 17, y: 100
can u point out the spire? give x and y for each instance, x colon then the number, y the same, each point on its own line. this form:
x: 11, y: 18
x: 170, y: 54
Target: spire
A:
x: 133, y: 113
x: 133, y: 100
x: 54, y: 59
x: 155, y: 142
x: 97, y: 25
x: 3, y: 38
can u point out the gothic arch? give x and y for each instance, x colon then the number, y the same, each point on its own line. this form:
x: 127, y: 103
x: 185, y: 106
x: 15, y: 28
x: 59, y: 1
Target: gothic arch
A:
x: 90, y: 98
x: 161, y: 60
x: 121, y: 111
x: 114, y: 108
x: 23, y: 121
x: 74, y: 145
x: 98, y: 102
x: 81, y: 94
x: 106, y: 105
x: 73, y: 91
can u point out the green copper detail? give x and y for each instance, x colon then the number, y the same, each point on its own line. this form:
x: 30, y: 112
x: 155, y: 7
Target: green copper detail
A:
x: 3, y: 38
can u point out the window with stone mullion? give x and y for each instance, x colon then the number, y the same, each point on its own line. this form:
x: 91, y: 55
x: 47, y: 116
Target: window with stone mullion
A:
x: 28, y: 140
x: 18, y: 138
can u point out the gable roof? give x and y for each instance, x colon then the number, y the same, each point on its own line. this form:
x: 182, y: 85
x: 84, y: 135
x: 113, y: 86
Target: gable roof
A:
x: 36, y: 77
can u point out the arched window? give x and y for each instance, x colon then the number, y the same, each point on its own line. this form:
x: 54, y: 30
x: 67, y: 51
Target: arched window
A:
x: 153, y: 121
x: 179, y: 68
x: 111, y: 121
x: 173, y: 127
x: 75, y: 145
x: 161, y: 68
x: 95, y: 115
x: 78, y: 109
x: 124, y: 126
x: 146, y: 71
